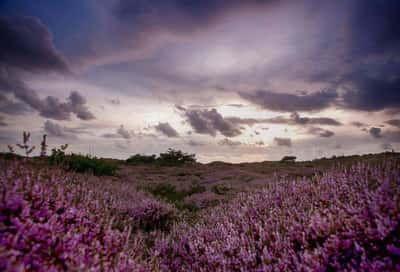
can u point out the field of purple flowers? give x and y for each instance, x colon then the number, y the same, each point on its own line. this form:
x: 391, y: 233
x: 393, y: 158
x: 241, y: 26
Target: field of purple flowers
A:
x: 347, y: 219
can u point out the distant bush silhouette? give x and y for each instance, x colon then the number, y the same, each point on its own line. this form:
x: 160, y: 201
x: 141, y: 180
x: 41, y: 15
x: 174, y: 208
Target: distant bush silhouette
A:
x: 85, y: 163
x: 10, y: 156
x: 58, y: 154
x: 175, y: 157
x: 170, y: 158
x: 141, y: 159
x: 288, y: 159
x: 81, y: 163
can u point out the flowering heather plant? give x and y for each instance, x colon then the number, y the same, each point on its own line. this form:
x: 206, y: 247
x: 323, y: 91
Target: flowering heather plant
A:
x: 49, y: 221
x: 345, y: 220
x: 131, y: 206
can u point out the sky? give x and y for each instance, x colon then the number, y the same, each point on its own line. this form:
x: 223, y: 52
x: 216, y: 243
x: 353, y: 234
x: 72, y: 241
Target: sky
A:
x: 229, y: 80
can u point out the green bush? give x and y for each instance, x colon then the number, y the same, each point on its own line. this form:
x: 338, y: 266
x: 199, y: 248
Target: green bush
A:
x: 175, y: 157
x: 57, y: 156
x: 170, y: 158
x: 141, y: 159
x: 10, y: 156
x: 83, y: 164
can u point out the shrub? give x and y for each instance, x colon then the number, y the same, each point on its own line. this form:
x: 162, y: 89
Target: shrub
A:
x: 175, y: 158
x: 82, y: 164
x: 288, y: 159
x: 57, y: 155
x: 141, y: 159
x: 170, y: 158
x: 10, y: 156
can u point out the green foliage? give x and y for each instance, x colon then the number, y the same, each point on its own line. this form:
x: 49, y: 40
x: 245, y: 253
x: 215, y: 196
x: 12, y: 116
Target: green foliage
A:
x: 170, y: 158
x: 171, y: 194
x: 288, y: 159
x: 175, y: 157
x: 57, y: 156
x: 10, y: 156
x: 83, y: 164
x: 141, y: 159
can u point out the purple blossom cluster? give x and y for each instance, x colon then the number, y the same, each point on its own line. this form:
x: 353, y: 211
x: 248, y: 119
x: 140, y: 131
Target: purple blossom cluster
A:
x: 52, y: 222
x: 346, y: 220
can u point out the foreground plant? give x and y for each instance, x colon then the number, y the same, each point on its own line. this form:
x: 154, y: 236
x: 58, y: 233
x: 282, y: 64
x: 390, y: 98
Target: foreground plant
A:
x: 49, y: 221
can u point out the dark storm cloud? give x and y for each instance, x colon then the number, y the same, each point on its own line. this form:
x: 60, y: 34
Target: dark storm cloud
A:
x: 210, y: 122
x: 375, y: 27
x: 394, y: 122
x: 49, y: 107
x: 369, y: 93
x: 372, y: 82
x: 287, y: 102
x: 236, y: 105
x: 294, y: 119
x: 283, y: 141
x: 297, y: 119
x: 321, y: 132
x: 2, y: 122
x: 166, y: 129
x: 358, y: 124
x: 375, y: 132
x: 176, y: 16
x: 11, y: 107
x: 77, y: 104
x: 367, y: 62
x: 56, y: 130
x: 228, y: 142
x: 124, y: 133
x: 27, y: 48
x: 121, y: 132
x: 27, y: 44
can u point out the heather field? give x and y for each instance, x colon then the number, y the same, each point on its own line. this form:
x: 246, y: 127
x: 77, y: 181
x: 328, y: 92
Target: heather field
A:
x: 339, y: 214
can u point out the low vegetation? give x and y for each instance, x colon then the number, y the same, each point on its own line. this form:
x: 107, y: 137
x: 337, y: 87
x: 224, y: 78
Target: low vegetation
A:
x: 170, y: 158
x: 171, y: 194
x: 84, y: 164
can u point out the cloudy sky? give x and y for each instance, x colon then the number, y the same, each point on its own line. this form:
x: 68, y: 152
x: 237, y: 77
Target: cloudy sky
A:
x: 228, y: 80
